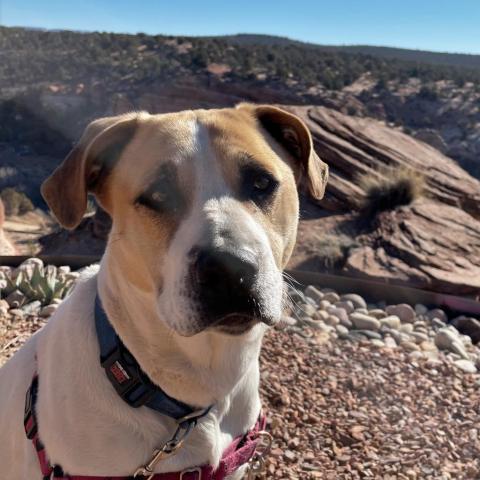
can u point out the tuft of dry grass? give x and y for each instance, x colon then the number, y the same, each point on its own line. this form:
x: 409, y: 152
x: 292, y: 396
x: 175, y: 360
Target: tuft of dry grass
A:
x: 330, y: 251
x: 389, y: 188
x: 15, y: 202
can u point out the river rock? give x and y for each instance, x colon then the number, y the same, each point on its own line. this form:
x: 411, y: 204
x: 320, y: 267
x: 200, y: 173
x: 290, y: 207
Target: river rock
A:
x: 370, y: 334
x: 308, y: 309
x: 314, y: 293
x: 16, y: 299
x: 392, y: 321
x: 419, y: 337
x: 444, y: 338
x: 32, y: 308
x: 409, y: 346
x: 340, y: 313
x: 403, y: 311
x: 332, y: 320
x: 468, y: 326
x: 286, y: 322
x: 420, y: 309
x: 437, y: 313
x: 466, y: 366
x: 459, y: 349
x: 437, y: 323
x: 364, y: 322
x: 427, y: 346
x: 390, y: 342
x: 4, y: 307
x: 377, y: 313
x: 324, y: 304
x: 406, y: 328
x: 48, y: 310
x: 321, y: 315
x: 347, y: 305
x: 341, y: 331
x: 357, y: 300
x: 331, y: 297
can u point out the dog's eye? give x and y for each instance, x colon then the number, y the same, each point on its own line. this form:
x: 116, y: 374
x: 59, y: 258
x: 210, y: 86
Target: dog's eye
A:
x: 262, y: 183
x: 163, y: 195
x: 258, y: 185
x: 153, y: 199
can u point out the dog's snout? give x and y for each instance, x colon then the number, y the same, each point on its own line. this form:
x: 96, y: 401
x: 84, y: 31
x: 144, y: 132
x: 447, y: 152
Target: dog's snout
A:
x: 225, y: 281
x: 215, y: 269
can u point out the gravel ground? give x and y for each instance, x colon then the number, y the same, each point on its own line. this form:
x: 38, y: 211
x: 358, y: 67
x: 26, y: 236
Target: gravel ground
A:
x: 344, y: 410
x: 352, y: 390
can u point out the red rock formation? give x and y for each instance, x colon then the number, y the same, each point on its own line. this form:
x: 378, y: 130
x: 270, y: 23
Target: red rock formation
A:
x: 433, y: 243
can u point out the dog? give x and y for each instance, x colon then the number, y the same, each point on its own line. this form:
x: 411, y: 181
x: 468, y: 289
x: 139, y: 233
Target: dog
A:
x: 204, y: 207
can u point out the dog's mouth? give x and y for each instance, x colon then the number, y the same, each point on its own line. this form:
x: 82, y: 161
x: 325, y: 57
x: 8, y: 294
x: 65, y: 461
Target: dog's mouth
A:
x: 238, y: 323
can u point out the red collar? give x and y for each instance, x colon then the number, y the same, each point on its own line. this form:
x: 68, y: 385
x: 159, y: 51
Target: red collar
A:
x: 241, y: 451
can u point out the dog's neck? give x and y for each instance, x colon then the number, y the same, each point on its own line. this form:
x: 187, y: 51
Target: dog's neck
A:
x: 201, y: 370
x: 198, y: 370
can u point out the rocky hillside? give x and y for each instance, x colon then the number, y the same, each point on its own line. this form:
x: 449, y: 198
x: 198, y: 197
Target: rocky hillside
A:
x: 433, y: 243
x: 52, y: 75
x: 53, y: 83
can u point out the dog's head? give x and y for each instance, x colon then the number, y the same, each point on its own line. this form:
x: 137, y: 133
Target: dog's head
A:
x: 204, y: 207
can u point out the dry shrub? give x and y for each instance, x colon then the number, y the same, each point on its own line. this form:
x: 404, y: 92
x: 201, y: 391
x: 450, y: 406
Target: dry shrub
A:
x: 15, y: 202
x: 390, y: 188
x: 330, y: 251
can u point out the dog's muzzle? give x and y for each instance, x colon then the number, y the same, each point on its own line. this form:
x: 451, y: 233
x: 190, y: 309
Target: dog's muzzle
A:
x: 225, y: 286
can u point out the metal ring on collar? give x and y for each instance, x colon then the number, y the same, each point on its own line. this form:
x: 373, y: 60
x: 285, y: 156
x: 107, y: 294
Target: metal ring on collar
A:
x: 191, y: 470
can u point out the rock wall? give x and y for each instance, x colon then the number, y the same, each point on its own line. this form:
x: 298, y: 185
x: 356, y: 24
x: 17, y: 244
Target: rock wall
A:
x: 433, y: 243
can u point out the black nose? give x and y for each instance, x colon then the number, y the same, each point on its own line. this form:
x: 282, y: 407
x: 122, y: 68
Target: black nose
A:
x: 225, y: 281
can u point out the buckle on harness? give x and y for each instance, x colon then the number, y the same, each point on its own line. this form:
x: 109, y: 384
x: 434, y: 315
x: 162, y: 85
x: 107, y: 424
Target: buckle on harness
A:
x: 256, y: 465
x: 185, y: 426
x: 129, y: 382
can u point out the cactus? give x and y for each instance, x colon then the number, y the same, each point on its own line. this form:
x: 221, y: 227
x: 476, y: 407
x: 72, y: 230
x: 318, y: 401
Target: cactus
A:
x: 37, y: 282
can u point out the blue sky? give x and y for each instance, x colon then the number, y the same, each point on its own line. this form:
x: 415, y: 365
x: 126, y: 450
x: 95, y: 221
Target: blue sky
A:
x: 441, y: 25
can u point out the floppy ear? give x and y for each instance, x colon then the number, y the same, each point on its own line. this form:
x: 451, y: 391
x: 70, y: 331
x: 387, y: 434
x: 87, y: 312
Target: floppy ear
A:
x: 288, y: 130
x: 86, y: 167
